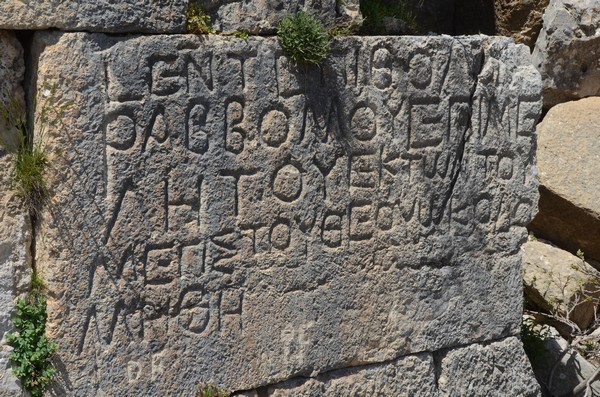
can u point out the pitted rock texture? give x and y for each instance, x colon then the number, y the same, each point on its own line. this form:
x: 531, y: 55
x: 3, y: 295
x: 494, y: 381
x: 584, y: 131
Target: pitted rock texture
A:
x: 220, y: 216
x: 262, y: 17
x: 15, y: 229
x: 496, y: 369
x: 557, y: 281
x: 407, y: 376
x: 568, y: 154
x: 141, y: 16
x: 567, y: 52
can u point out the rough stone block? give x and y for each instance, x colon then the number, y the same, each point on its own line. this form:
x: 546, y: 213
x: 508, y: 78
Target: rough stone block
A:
x: 560, y: 283
x: 407, y: 376
x: 15, y: 230
x: 146, y: 16
x: 496, y: 369
x: 220, y: 216
x: 568, y: 147
x: 263, y: 17
x: 567, y: 51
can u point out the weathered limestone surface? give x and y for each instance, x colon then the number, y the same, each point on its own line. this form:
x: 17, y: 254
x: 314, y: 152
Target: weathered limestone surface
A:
x: 143, y: 16
x: 15, y: 233
x: 220, y: 216
x: 568, y: 158
x: 559, y: 282
x: 264, y: 16
x: 567, y: 51
x: 496, y: 369
x: 412, y: 375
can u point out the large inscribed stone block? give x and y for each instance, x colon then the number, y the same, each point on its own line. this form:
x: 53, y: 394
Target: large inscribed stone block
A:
x: 15, y: 227
x: 142, y: 16
x: 222, y: 216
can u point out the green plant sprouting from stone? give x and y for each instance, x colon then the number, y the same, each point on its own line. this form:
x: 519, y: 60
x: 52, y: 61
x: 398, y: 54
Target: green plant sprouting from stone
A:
x: 198, y: 21
x: 30, y: 159
x: 209, y: 390
x: 533, y: 337
x: 303, y: 39
x: 32, y: 349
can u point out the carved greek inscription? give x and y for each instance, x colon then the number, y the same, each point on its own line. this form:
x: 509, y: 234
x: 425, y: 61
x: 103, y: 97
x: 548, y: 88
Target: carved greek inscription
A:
x: 381, y: 72
x: 527, y: 117
x: 234, y: 132
x: 167, y: 75
x: 274, y: 128
x: 215, y: 178
x: 199, y: 72
x: 196, y: 131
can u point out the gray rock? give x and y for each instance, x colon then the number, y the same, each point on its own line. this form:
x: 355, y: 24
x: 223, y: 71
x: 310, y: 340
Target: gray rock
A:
x: 561, y: 368
x: 15, y: 230
x: 407, y: 376
x: 568, y: 155
x: 560, y: 283
x: 496, y: 369
x: 394, y: 26
x: 146, y: 16
x: 221, y: 216
x: 260, y: 17
x: 567, y: 51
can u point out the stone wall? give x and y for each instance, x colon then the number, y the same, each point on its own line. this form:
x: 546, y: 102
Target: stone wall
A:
x: 221, y: 215
x: 15, y: 225
x: 260, y: 222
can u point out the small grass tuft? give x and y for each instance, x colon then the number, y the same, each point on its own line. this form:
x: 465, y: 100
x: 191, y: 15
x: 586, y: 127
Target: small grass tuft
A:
x: 208, y: 390
x: 340, y: 30
x: 241, y: 34
x: 303, y: 39
x: 29, y: 156
x: 198, y: 21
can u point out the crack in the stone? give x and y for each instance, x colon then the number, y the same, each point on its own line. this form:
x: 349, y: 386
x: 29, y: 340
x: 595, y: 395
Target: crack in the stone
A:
x: 466, y: 133
x: 25, y: 38
x: 437, y: 355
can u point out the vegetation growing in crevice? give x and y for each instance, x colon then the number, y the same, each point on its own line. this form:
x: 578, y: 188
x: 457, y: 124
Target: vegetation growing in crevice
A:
x: 303, y: 39
x: 198, y: 21
x: 533, y: 337
x: 30, y: 159
x: 208, y: 390
x: 32, y: 349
